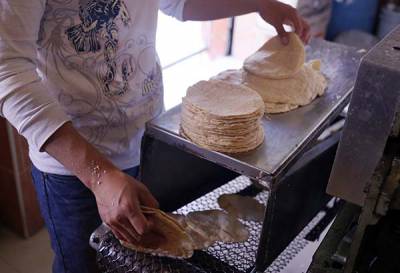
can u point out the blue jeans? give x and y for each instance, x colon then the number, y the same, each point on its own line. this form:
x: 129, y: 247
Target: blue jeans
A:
x: 70, y: 213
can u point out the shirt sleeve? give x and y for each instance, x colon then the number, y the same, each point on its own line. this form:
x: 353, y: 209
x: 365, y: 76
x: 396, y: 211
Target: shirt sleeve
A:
x: 173, y: 8
x: 24, y: 100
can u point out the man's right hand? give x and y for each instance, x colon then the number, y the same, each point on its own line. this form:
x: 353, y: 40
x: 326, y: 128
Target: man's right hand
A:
x: 119, y: 198
x: 118, y: 195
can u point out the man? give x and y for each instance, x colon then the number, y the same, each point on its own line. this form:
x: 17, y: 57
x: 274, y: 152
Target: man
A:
x: 79, y: 79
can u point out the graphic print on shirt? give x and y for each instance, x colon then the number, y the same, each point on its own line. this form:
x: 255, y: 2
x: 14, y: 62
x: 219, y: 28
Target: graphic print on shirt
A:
x: 98, y: 23
x: 109, y: 94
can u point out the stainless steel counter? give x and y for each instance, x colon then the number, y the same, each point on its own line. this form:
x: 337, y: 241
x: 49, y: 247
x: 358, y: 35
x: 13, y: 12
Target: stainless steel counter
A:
x: 287, y: 135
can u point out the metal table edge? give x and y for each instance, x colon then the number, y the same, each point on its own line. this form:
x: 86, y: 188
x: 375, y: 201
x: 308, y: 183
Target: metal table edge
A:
x: 235, y: 165
x: 307, y: 143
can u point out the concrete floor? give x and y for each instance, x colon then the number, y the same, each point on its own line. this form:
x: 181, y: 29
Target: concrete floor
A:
x: 18, y: 255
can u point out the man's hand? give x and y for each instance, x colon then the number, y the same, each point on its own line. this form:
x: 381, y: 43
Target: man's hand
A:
x: 119, y: 198
x: 118, y: 195
x: 278, y: 14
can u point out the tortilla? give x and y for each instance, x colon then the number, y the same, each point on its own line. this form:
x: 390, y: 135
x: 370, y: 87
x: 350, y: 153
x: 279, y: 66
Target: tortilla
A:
x: 177, y: 235
x: 276, y: 108
x: 243, y: 207
x: 166, y: 238
x: 275, y: 60
x: 223, y: 99
x: 200, y: 241
x: 234, y: 76
x: 282, y: 95
x: 216, y: 225
x: 300, y: 90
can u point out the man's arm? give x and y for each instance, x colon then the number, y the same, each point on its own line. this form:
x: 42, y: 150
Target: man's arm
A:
x: 118, y: 195
x: 28, y: 106
x: 272, y: 11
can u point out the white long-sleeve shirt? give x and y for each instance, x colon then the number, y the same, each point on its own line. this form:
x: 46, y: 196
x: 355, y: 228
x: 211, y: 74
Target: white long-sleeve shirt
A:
x: 92, y: 62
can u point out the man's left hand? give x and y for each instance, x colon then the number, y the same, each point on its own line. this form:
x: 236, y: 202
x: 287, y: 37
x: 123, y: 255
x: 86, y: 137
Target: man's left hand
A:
x: 279, y: 14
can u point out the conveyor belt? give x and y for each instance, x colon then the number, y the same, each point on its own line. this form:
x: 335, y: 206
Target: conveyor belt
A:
x: 223, y: 258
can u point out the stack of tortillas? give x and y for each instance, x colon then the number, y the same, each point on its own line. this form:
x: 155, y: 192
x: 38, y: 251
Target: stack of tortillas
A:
x: 222, y: 116
x: 177, y: 235
x: 279, y: 74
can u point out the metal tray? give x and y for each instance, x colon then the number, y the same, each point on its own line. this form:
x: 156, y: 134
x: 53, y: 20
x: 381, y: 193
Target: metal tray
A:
x: 287, y: 135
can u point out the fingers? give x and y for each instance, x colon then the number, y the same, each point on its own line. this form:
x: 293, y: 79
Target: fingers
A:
x: 130, y: 225
x: 118, y: 233
x: 123, y: 234
x: 297, y: 22
x: 137, y: 219
x: 301, y: 27
x: 120, y: 209
x: 128, y: 230
x: 148, y: 200
x: 279, y: 14
x: 283, y: 35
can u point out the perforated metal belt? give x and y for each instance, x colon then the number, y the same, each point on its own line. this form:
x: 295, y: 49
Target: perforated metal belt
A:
x: 219, y: 258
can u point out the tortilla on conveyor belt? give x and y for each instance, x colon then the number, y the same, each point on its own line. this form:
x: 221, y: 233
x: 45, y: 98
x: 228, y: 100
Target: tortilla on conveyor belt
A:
x: 217, y: 225
x: 275, y: 60
x: 199, y: 240
x: 177, y: 235
x: 242, y: 207
x: 210, y: 226
x: 222, y: 116
x: 166, y: 238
